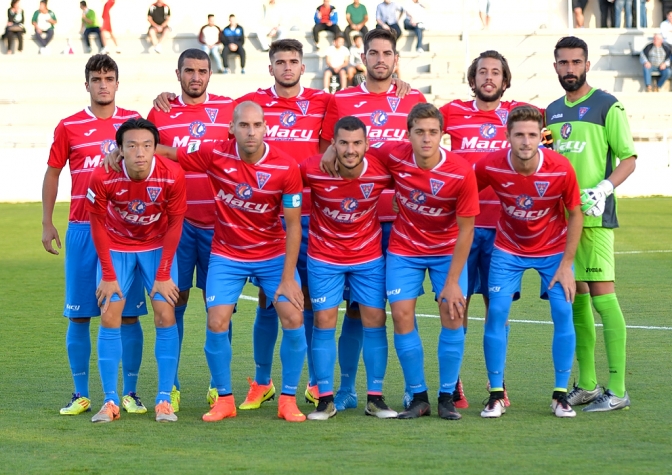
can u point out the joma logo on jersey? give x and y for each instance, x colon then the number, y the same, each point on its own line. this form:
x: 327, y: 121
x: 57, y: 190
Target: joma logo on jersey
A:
x: 338, y: 215
x: 276, y: 132
x: 234, y: 202
x: 385, y: 134
x: 593, y: 269
x: 419, y: 208
x: 130, y: 217
x: 474, y: 143
x: 525, y: 215
x: 570, y: 146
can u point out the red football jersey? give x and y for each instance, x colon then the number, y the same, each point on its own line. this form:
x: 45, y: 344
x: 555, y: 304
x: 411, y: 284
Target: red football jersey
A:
x: 185, y: 124
x: 248, y: 198
x: 429, y: 200
x: 137, y: 211
x: 473, y: 135
x: 383, y: 114
x: 344, y: 226
x: 83, y: 140
x: 293, y: 124
x: 532, y: 218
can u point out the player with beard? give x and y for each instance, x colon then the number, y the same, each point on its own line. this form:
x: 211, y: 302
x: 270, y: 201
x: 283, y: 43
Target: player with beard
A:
x: 590, y: 127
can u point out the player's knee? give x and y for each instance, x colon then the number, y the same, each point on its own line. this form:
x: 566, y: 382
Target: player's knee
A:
x: 164, y: 315
x: 217, y: 322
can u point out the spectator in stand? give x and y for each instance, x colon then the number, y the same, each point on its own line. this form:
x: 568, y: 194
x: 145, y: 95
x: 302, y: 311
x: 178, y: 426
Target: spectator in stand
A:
x: 388, y: 15
x: 271, y: 25
x: 337, y: 59
x: 357, y: 66
x: 209, y: 39
x: 356, y: 16
x: 415, y: 21
x: 656, y: 57
x: 642, y: 21
x: 90, y: 26
x: 579, y: 6
x: 326, y: 19
x: 607, y: 13
x: 233, y: 38
x: 158, y: 17
x: 44, y: 21
x: 631, y: 11
x: 666, y: 29
x: 106, y: 29
x: 484, y: 9
x: 667, y: 7
x: 15, y: 27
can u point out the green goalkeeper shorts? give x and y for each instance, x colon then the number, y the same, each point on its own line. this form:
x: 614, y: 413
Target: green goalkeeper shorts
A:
x: 594, y: 260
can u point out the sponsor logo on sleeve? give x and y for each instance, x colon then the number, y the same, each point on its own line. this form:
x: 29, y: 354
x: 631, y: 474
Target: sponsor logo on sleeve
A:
x: 90, y: 195
x: 193, y: 147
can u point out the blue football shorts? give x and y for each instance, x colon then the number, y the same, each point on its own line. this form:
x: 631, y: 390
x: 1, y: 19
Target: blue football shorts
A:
x: 193, y: 252
x: 478, y: 263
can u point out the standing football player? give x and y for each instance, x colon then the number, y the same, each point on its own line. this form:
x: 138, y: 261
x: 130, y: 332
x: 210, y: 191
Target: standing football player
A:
x: 590, y: 127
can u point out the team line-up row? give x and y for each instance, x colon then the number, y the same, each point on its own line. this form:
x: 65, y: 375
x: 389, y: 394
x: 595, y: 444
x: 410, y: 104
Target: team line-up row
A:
x: 239, y: 211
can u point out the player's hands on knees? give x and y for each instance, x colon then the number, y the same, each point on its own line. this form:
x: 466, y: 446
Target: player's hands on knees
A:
x: 565, y: 277
x: 328, y: 164
x: 162, y: 101
x: 403, y: 88
x: 50, y: 233
x: 105, y: 291
x: 291, y: 290
x: 453, y: 296
x: 167, y: 289
x: 111, y: 161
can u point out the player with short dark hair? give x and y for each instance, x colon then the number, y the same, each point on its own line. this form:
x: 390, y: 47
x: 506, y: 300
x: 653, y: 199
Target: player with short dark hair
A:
x: 136, y: 221
x: 345, y: 243
x: 590, y: 127
x: 80, y: 141
x: 536, y: 187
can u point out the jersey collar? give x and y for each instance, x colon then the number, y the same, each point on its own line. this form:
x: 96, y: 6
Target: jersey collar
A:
x: 441, y: 162
x: 363, y: 86
x: 275, y: 94
x: 263, y: 157
x: 541, y: 160
x: 476, y: 109
x: 181, y: 101
x: 88, y: 111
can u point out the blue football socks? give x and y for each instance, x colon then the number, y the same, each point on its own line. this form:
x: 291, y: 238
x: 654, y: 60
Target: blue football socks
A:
x: 349, y: 349
x: 166, y: 349
x: 132, y: 340
x: 218, y: 354
x: 292, y: 356
x: 109, y: 357
x: 324, y: 359
x: 264, y: 336
x: 375, y: 358
x: 78, y: 346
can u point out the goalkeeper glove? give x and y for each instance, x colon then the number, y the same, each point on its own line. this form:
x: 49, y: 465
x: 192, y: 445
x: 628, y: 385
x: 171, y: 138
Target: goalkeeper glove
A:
x: 546, y: 138
x: 593, y: 200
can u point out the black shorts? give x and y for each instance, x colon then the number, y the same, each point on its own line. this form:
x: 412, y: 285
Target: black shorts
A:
x: 579, y: 4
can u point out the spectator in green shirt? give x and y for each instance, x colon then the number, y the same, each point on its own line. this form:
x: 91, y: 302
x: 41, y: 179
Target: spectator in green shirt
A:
x: 90, y: 26
x: 357, y: 16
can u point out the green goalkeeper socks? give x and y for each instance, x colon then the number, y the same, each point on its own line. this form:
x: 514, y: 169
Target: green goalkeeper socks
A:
x: 584, y: 325
x: 614, y: 339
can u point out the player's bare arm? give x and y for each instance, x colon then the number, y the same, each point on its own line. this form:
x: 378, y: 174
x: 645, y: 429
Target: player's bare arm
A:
x: 565, y: 275
x: 112, y: 160
x: 162, y: 101
x: 49, y: 192
x: 452, y: 293
x: 623, y: 170
x: 289, y: 287
x: 328, y: 163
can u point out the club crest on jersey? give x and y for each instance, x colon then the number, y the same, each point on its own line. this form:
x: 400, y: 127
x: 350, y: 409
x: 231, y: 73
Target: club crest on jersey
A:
x: 393, y: 102
x: 303, y: 105
x: 262, y: 178
x: 288, y: 119
x: 524, y: 202
x: 136, y: 207
x: 487, y: 131
x: 566, y: 130
x: 107, y: 146
x: 197, y: 129
x: 212, y: 114
x: 244, y: 191
x: 153, y: 192
x: 366, y: 188
x: 418, y: 197
x: 349, y: 205
x: 503, y: 115
x: 541, y: 187
x: 436, y: 186
x: 583, y: 111
x: 379, y: 118
x: 116, y: 126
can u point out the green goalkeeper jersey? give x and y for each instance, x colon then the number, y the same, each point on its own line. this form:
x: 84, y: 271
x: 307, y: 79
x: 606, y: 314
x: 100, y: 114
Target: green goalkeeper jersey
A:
x: 592, y: 133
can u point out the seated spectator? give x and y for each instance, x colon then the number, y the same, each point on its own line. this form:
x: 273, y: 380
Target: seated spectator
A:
x: 158, y: 17
x: 233, y: 38
x: 388, y: 15
x: 271, y: 25
x: 209, y: 39
x: 90, y: 26
x: 656, y: 57
x: 44, y: 21
x: 357, y: 66
x: 15, y: 27
x: 337, y: 59
x: 415, y: 21
x: 106, y: 29
x: 326, y: 19
x: 666, y: 29
x: 356, y: 16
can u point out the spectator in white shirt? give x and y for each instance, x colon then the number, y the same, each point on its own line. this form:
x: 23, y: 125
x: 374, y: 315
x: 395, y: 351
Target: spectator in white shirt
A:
x: 209, y: 39
x: 666, y: 29
x: 415, y: 20
x: 337, y: 59
x: 271, y: 25
x: 356, y: 64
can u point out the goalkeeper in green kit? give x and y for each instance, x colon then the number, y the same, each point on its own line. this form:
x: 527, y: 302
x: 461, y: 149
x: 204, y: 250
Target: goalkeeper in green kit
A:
x: 590, y: 128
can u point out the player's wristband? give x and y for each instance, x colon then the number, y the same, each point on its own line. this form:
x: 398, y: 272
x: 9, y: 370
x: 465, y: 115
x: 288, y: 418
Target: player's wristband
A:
x: 291, y: 201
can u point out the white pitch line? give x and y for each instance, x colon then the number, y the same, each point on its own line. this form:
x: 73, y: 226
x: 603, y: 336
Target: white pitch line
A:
x: 645, y: 252
x: 534, y: 322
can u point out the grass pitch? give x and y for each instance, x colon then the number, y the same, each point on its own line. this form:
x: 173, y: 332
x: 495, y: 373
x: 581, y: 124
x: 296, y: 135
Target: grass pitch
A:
x: 35, y: 382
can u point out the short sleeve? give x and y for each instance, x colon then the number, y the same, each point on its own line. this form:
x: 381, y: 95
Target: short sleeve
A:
x: 293, y: 182
x: 618, y: 132
x: 60, y: 148
x: 96, y: 194
x: 571, y: 196
x: 196, y: 157
x: 177, y: 203
x: 482, y: 178
x: 330, y: 119
x: 467, y: 199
